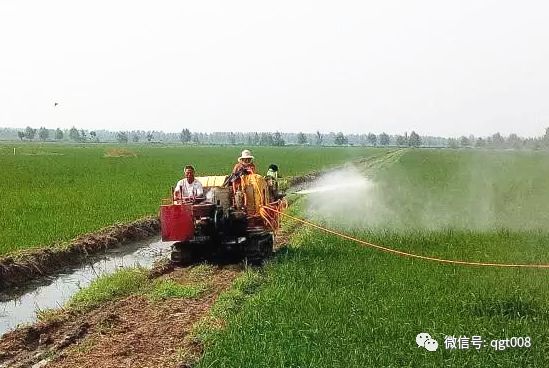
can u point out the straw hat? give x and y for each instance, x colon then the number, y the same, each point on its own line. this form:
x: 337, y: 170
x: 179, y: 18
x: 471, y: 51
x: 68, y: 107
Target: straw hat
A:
x: 246, y: 154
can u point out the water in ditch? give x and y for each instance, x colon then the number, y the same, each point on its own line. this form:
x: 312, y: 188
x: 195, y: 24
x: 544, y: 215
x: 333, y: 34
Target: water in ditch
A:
x: 53, y: 292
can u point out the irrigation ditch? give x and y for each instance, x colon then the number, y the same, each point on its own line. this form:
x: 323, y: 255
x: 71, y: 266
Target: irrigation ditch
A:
x: 18, y: 269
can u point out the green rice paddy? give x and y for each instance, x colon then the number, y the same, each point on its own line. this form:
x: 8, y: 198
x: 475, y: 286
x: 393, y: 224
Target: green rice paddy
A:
x: 325, y: 301
x: 330, y: 302
x: 51, y: 193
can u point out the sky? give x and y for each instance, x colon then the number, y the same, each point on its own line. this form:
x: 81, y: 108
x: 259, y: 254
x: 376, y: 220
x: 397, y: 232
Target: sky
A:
x: 443, y: 68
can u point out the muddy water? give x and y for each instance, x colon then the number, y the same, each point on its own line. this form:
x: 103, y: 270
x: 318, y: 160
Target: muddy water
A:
x: 21, y: 306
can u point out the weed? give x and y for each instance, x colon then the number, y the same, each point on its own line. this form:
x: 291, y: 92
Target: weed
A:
x: 51, y: 315
x: 109, y: 287
x: 167, y: 289
x: 201, y: 271
x: 85, y: 345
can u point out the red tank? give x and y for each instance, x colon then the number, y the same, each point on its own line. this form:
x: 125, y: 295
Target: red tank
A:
x: 177, y: 222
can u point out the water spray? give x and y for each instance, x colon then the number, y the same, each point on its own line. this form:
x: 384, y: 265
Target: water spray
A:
x: 353, y: 184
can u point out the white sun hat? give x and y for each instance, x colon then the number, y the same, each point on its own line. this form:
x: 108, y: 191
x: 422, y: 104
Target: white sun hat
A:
x: 246, y: 154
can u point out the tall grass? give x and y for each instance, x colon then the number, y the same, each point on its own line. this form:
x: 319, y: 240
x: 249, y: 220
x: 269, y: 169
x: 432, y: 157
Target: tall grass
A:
x: 329, y: 302
x: 53, y: 192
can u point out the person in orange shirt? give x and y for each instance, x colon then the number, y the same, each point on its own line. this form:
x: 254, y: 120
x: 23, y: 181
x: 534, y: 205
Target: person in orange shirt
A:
x: 245, y: 163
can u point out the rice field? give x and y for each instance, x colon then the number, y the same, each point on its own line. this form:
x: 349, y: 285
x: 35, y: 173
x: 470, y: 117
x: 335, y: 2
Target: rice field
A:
x: 326, y: 301
x: 330, y: 302
x: 50, y: 193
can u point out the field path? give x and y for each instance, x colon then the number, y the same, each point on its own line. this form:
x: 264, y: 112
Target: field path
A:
x: 134, y: 331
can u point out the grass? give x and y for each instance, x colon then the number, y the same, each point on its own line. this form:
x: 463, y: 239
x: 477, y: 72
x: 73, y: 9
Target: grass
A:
x: 50, y: 315
x: 117, y: 285
x: 329, y: 302
x: 51, y: 193
x: 167, y: 289
x: 201, y: 271
x: 128, y: 281
x: 227, y: 304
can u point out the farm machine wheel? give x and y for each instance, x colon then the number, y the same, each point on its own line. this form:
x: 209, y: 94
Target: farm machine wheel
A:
x: 182, y: 253
x: 259, y: 248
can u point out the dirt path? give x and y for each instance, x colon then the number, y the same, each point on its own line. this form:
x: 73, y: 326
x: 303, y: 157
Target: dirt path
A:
x: 132, y: 332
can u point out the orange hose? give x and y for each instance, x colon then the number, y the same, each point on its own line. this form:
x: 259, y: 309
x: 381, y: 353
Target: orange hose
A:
x: 405, y: 254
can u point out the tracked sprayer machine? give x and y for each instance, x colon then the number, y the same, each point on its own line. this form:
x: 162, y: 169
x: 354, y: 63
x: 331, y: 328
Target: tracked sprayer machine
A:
x: 232, y: 218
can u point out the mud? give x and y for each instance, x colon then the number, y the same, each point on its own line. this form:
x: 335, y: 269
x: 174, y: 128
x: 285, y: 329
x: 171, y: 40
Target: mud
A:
x: 18, y: 269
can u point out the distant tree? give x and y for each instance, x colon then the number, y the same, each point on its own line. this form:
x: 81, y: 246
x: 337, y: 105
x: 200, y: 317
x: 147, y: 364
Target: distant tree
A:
x: 266, y: 139
x: 497, y: 140
x: 545, y: 138
x: 414, y: 140
x: 372, y: 139
x: 21, y: 135
x: 256, y: 138
x: 401, y: 140
x: 30, y: 133
x: 301, y: 138
x: 135, y: 137
x: 384, y: 139
x: 480, y: 142
x: 464, y: 141
x: 340, y: 139
x: 472, y: 140
x: 122, y: 137
x: 278, y: 140
x: 74, y: 135
x: 83, y: 135
x: 453, y: 143
x: 318, y: 140
x: 58, y: 134
x: 185, y: 136
x: 93, y: 135
x: 195, y: 138
x: 514, y: 141
x: 43, y: 133
x: 232, y: 138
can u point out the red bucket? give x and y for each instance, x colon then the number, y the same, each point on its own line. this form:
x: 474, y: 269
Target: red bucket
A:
x: 176, y: 221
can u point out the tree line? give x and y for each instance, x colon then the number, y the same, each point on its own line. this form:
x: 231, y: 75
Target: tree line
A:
x: 185, y: 136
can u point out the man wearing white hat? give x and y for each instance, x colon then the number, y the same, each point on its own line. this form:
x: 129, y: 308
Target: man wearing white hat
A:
x: 245, y: 162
